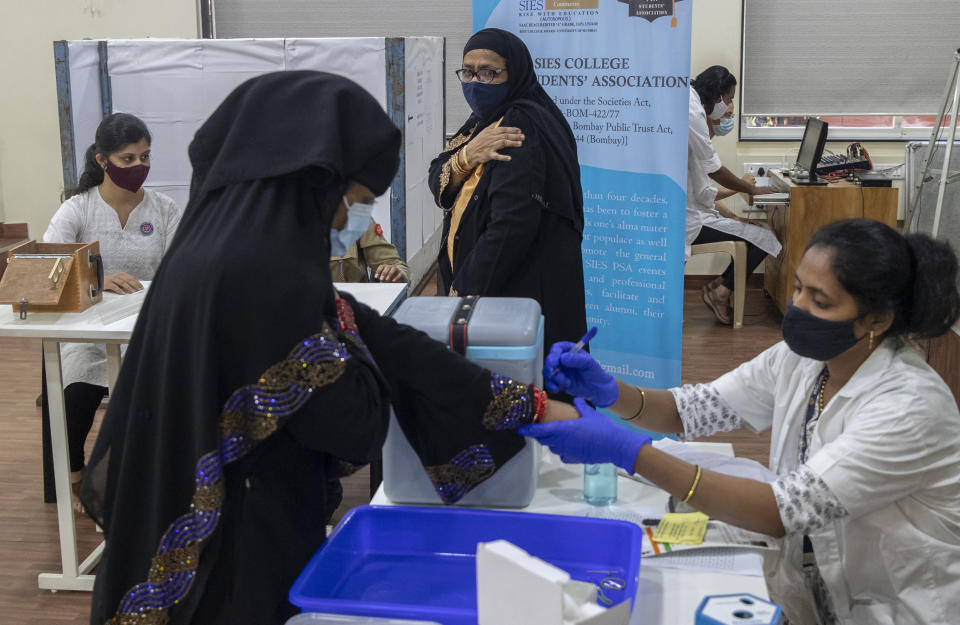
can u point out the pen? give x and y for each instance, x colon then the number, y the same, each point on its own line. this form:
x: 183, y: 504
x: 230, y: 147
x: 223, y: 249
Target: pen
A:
x: 579, y: 345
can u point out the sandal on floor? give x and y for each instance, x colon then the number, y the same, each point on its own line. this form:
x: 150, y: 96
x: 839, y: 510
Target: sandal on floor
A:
x: 78, y: 508
x: 721, y: 311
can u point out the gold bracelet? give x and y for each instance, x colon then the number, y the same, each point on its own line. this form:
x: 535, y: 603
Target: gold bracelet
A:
x: 455, y: 165
x: 643, y: 403
x: 693, y: 487
x: 464, y: 162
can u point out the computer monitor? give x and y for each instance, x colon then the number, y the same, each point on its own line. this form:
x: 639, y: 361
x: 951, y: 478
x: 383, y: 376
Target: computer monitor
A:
x: 811, y: 149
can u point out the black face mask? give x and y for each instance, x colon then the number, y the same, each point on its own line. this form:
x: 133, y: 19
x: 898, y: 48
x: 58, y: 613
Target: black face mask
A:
x: 812, y: 337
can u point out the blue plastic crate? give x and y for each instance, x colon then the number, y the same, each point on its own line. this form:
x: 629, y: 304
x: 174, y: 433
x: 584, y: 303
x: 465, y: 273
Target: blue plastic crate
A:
x: 420, y: 563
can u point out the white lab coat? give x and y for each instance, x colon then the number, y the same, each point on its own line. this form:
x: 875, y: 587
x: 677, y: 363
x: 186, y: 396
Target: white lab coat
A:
x: 702, y: 160
x: 888, y: 446
x: 136, y: 248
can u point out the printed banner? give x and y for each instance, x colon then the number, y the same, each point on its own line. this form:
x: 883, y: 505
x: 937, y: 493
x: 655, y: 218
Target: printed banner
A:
x: 619, y: 70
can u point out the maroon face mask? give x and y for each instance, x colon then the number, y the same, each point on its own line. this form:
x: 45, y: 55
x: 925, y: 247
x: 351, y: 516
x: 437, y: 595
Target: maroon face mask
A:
x: 129, y: 178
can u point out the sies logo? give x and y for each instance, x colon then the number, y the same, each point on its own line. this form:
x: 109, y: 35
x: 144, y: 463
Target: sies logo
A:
x: 146, y: 228
x: 568, y: 5
x: 653, y: 9
x: 557, y: 5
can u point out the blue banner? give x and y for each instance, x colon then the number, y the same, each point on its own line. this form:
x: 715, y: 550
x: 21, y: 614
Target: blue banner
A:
x: 619, y: 70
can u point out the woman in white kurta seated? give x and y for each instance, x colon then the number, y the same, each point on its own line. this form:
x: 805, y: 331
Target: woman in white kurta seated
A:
x: 711, y: 97
x: 865, y: 440
x: 134, y: 227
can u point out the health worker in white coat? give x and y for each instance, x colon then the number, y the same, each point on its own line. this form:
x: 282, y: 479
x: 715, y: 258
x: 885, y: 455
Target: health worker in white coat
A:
x: 711, y: 97
x: 865, y: 442
x: 135, y: 227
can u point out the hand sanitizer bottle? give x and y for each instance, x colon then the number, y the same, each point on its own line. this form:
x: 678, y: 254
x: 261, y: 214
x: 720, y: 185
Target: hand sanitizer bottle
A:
x: 600, y: 484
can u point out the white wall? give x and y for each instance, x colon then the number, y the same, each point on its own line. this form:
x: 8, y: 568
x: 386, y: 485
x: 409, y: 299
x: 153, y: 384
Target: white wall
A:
x: 31, y: 177
x: 30, y: 168
x: 716, y: 41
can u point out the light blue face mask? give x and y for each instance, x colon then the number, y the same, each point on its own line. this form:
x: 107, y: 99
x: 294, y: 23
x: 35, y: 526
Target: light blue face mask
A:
x: 358, y: 220
x: 724, y: 127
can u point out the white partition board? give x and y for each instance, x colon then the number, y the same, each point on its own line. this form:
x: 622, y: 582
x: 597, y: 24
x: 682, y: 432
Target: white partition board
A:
x: 175, y: 84
x: 423, y: 106
x: 84, y: 96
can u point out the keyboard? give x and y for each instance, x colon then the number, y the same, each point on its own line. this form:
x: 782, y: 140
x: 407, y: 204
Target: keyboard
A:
x: 775, y: 182
x: 839, y: 162
x: 772, y: 198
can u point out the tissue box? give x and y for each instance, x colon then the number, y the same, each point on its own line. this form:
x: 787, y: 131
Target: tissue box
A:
x: 420, y: 563
x: 515, y: 588
x: 742, y: 609
x: 503, y: 334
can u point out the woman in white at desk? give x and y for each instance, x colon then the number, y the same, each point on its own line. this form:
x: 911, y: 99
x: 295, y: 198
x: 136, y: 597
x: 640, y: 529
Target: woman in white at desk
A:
x: 134, y: 227
x: 711, y: 96
x: 865, y: 441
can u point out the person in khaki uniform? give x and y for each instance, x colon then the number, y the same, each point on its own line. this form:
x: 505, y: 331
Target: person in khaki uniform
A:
x: 370, y: 253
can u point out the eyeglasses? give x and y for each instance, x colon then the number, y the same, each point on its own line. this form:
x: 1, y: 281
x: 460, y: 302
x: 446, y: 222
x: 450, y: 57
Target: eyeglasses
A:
x: 484, y: 75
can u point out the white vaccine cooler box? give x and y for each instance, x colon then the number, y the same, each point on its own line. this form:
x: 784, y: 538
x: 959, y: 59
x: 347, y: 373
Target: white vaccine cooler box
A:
x: 504, y: 335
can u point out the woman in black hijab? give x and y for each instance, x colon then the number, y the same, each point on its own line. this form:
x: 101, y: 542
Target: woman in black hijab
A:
x: 250, y: 386
x: 509, y: 186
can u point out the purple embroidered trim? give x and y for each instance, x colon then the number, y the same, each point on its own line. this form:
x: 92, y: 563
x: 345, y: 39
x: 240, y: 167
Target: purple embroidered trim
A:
x: 473, y: 461
x: 261, y: 402
x: 517, y: 396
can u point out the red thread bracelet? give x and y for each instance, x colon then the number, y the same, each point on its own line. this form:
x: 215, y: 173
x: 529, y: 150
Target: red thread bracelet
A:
x: 539, y: 404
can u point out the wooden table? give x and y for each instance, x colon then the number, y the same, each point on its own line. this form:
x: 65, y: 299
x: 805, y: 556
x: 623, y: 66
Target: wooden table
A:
x: 811, y: 207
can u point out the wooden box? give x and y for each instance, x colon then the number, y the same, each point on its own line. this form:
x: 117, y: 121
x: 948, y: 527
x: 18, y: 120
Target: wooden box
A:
x: 11, y: 235
x: 52, y: 277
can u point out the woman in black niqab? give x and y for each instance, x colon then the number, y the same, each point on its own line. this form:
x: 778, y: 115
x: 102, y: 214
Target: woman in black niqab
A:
x: 514, y: 227
x: 250, y: 386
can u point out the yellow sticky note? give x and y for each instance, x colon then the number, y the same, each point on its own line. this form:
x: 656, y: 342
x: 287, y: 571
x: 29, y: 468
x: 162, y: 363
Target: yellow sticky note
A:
x: 683, y: 529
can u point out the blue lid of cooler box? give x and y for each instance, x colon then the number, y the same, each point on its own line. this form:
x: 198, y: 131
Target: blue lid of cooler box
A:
x: 420, y: 563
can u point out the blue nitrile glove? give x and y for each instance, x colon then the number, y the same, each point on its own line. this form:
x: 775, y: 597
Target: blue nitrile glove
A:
x: 591, y: 439
x: 578, y: 375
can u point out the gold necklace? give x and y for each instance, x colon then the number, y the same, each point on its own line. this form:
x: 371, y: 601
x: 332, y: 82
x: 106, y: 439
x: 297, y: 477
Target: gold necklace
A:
x: 820, y: 394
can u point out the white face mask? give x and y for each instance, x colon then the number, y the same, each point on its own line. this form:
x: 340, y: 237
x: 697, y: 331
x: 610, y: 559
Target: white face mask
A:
x: 724, y: 127
x: 719, y: 109
x: 358, y: 220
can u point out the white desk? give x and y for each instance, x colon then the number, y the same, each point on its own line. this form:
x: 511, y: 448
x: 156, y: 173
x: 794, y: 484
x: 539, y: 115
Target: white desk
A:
x: 90, y: 327
x: 383, y: 297
x: 664, y: 596
x: 54, y: 329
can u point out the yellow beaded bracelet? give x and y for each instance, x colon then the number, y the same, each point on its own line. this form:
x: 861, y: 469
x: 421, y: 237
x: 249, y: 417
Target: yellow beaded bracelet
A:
x: 693, y: 487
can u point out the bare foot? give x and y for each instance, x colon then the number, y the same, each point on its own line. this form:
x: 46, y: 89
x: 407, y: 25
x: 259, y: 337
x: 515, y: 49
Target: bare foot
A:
x: 76, y: 479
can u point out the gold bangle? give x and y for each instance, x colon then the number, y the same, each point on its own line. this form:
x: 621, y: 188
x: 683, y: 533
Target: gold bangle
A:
x: 464, y: 162
x: 643, y: 403
x: 455, y: 165
x: 693, y: 487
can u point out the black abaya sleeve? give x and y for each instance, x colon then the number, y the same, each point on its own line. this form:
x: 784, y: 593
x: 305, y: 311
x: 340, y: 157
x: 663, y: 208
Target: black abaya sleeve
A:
x: 516, y: 203
x: 444, y: 194
x: 346, y: 419
x: 456, y: 415
x: 438, y: 178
